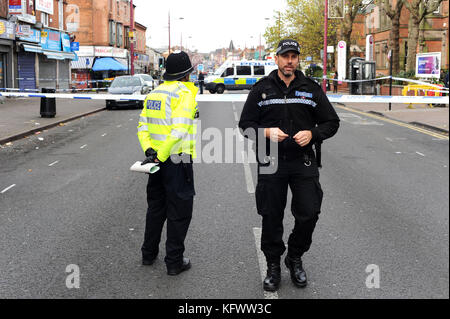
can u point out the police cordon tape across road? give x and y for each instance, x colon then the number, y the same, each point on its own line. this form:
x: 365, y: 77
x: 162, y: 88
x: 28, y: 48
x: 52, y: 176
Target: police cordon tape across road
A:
x: 334, y: 98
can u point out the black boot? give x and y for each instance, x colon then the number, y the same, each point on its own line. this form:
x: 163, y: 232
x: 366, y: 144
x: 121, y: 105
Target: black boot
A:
x: 298, y: 274
x: 272, y: 281
x: 185, y: 265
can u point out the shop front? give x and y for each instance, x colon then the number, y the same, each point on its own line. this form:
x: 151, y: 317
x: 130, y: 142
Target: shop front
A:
x: 54, y: 62
x: 7, y: 37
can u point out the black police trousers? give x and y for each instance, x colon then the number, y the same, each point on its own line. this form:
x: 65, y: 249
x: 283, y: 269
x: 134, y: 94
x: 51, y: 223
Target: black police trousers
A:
x: 271, y: 197
x: 170, y: 196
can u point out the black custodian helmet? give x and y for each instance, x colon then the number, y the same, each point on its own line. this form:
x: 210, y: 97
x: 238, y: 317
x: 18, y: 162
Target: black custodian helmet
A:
x: 178, y: 65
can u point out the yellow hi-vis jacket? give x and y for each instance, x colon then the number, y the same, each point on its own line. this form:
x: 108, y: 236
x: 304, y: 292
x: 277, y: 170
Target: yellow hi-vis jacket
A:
x: 166, y: 123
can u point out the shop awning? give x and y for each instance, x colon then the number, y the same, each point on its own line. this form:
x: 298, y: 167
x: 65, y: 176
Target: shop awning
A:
x: 108, y: 64
x: 84, y: 62
x: 59, y: 55
x: 32, y: 48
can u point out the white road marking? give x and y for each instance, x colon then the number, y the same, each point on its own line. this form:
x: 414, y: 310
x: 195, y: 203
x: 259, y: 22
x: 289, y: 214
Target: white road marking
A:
x: 389, y: 139
x: 248, y: 174
x: 7, y: 189
x: 240, y: 137
x: 398, y: 152
x: 262, y: 262
x: 420, y: 154
x: 103, y: 135
x: 83, y: 146
x: 236, y: 118
x: 119, y: 125
x: 56, y: 162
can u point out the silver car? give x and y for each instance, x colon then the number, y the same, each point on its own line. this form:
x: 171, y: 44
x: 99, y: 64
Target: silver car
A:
x: 127, y: 84
x: 149, y: 80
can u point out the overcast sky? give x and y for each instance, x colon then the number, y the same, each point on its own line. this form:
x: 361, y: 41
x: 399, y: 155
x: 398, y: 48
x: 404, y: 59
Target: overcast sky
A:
x: 211, y: 24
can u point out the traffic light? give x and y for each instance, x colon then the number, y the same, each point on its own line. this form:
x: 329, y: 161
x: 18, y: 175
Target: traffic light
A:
x: 162, y: 63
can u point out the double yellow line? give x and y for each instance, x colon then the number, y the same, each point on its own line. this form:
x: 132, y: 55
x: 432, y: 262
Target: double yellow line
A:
x: 381, y: 118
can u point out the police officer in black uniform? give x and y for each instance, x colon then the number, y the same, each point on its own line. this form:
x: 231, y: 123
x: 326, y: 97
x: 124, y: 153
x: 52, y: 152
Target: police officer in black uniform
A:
x: 293, y: 112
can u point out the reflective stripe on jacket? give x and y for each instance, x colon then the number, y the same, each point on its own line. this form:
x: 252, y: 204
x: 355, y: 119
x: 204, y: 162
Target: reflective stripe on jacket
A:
x: 166, y: 122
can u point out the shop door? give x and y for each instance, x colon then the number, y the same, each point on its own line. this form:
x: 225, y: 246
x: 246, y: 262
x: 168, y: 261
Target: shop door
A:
x: 25, y: 64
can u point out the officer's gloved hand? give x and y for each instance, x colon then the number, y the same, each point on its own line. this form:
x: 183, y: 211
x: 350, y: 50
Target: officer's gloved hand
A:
x: 151, y: 156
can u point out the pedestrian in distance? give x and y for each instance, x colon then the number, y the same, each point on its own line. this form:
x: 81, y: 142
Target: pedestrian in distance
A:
x: 446, y: 80
x: 201, y: 81
x: 335, y: 82
x: 166, y: 134
x: 294, y: 113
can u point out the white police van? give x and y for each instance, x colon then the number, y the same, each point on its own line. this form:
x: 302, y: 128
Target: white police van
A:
x: 238, y: 75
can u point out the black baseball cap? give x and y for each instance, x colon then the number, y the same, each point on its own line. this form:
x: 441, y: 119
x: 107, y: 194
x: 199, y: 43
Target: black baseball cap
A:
x: 288, y: 45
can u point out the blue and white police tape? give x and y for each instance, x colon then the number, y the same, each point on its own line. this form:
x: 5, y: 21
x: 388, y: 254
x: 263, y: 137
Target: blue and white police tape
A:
x: 334, y: 98
x: 441, y: 88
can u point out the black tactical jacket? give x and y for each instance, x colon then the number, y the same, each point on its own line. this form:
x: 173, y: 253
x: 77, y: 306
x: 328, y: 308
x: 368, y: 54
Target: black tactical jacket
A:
x: 301, y: 106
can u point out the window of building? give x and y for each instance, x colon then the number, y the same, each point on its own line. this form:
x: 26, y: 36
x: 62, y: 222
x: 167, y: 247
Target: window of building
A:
x: 258, y: 70
x: 228, y: 72
x: 119, y: 34
x: 112, y: 33
x: 243, y: 70
x: 378, y: 55
x: 44, y: 19
x: 127, y: 39
x: 438, y: 10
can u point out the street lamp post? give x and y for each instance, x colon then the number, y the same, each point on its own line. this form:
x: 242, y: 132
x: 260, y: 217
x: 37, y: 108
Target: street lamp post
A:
x: 325, y: 45
x: 169, y: 32
x: 181, y: 36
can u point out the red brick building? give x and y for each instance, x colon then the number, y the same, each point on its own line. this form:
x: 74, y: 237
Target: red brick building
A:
x: 433, y: 35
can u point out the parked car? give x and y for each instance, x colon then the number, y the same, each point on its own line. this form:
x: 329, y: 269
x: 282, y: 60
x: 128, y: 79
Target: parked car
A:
x: 149, y: 80
x: 127, y: 85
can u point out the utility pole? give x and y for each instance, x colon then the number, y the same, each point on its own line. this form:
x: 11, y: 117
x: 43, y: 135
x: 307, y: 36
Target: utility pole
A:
x: 169, y: 32
x: 260, y: 46
x: 325, y: 45
x: 132, y: 38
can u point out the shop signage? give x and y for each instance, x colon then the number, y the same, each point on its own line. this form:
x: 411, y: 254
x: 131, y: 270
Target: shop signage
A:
x: 65, y: 40
x: 7, y: 30
x: 15, y: 6
x: 23, y: 30
x: 35, y: 36
x: 45, y: 6
x: 52, y: 41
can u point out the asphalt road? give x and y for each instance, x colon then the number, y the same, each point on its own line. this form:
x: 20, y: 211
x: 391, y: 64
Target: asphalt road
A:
x: 75, y: 202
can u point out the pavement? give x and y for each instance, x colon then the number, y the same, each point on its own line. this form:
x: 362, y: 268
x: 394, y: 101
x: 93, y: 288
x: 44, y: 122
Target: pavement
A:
x: 20, y: 117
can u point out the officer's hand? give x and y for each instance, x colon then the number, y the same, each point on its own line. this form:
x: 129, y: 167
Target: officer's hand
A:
x: 303, y: 138
x: 275, y: 134
x: 151, y: 156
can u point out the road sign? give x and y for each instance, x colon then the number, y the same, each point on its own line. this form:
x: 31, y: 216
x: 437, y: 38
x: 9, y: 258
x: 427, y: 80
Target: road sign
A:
x: 75, y: 46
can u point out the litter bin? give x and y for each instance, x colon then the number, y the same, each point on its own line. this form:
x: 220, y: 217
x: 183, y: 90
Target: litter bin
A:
x: 48, y: 105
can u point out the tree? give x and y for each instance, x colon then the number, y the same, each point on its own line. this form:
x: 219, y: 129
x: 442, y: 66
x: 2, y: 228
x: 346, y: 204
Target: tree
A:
x: 351, y: 10
x: 418, y: 9
x: 302, y: 21
x: 275, y: 33
x: 394, y: 15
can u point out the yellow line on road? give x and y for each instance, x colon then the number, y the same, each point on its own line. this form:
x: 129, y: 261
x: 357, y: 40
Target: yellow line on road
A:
x: 381, y: 118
